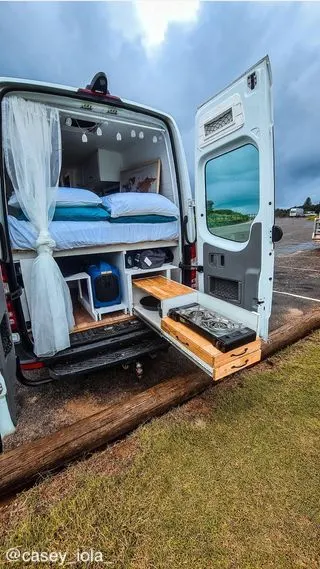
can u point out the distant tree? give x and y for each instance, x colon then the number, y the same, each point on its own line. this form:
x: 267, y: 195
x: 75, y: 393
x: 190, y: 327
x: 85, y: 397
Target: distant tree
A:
x: 307, y: 204
x: 279, y: 212
x: 209, y: 205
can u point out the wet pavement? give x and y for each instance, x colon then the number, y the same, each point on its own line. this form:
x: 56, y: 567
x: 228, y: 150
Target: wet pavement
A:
x: 297, y: 271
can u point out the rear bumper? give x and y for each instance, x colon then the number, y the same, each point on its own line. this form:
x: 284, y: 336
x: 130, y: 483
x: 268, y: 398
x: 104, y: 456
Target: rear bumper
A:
x: 108, y: 358
x: 90, y: 353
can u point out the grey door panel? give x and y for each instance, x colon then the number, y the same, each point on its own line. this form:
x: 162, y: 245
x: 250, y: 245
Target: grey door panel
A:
x: 233, y: 276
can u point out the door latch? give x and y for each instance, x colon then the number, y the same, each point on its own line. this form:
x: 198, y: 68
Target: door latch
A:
x: 198, y: 268
x: 15, y: 293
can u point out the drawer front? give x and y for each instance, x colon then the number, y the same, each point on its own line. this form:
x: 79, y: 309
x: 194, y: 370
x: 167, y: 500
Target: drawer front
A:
x: 237, y: 364
x: 228, y: 357
x: 194, y: 342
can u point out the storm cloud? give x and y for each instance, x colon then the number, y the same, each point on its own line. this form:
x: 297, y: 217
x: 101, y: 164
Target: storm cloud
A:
x: 174, y: 56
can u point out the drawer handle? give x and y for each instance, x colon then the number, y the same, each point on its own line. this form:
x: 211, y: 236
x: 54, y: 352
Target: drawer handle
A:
x: 181, y: 342
x: 238, y: 367
x: 238, y: 355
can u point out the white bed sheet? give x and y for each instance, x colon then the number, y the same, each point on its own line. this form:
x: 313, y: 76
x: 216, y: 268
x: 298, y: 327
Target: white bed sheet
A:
x: 74, y: 234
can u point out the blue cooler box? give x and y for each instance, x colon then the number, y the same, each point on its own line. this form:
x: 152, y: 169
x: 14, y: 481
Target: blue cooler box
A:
x: 105, y: 283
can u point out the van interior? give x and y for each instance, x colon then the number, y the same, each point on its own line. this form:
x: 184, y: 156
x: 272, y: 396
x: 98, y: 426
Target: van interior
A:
x: 95, y: 153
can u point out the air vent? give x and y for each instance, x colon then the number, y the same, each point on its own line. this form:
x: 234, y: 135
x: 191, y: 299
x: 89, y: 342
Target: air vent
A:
x: 218, y: 123
x: 225, y: 289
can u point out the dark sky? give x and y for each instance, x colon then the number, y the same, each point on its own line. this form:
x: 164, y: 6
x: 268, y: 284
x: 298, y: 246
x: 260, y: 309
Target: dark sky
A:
x: 174, y: 55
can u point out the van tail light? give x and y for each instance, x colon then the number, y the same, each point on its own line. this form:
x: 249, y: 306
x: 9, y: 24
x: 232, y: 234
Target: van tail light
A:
x: 32, y: 365
x: 190, y: 258
x: 11, y: 311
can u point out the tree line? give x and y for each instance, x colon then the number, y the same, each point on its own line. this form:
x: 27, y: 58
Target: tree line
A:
x: 306, y: 206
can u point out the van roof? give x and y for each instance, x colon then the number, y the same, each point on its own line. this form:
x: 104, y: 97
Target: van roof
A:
x: 17, y: 80
x: 13, y: 81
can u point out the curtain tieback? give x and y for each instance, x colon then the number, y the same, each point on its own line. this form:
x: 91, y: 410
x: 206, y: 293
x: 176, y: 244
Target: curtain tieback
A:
x: 45, y: 243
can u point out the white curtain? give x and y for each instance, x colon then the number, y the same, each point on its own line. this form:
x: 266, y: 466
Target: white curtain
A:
x: 32, y: 150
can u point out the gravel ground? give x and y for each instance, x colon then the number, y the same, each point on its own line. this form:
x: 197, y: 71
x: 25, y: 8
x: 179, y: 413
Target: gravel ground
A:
x: 45, y: 409
x: 297, y: 271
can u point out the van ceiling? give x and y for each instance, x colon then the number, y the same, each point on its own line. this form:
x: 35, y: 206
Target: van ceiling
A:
x: 74, y: 150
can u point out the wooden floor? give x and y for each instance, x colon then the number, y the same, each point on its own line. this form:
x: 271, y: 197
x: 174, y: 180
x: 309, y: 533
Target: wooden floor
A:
x: 83, y: 320
x: 162, y: 288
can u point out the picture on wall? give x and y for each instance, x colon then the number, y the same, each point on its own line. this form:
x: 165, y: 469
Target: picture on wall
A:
x: 144, y: 178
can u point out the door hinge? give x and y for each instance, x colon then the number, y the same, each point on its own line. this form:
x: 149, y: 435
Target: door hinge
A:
x: 252, y: 81
x: 198, y: 268
x: 191, y: 203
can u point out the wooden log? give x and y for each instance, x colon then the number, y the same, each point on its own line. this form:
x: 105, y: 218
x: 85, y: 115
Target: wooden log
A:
x: 289, y: 333
x: 21, y: 466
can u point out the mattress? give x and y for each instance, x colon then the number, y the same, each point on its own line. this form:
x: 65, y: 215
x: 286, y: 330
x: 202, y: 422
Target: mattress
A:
x: 74, y: 234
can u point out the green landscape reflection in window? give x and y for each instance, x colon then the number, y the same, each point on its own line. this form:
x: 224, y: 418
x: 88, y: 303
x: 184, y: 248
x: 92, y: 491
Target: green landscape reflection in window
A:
x: 232, y: 193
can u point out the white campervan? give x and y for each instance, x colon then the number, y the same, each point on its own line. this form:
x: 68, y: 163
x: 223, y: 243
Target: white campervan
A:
x: 296, y: 212
x: 105, y: 255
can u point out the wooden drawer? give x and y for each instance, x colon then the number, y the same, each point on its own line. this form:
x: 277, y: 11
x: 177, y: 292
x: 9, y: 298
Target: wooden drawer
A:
x: 236, y: 365
x: 204, y: 349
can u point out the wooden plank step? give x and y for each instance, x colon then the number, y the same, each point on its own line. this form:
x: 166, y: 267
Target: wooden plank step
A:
x: 222, y: 363
x: 162, y: 288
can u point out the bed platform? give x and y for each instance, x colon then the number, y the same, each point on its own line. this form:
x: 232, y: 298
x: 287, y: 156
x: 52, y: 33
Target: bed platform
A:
x: 20, y: 254
x: 92, y: 237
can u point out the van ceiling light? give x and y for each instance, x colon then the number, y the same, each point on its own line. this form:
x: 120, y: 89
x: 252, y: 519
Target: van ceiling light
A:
x: 154, y: 139
x: 141, y: 134
x: 99, y: 131
x: 68, y: 121
x: 84, y: 137
x: 119, y: 137
x: 133, y: 133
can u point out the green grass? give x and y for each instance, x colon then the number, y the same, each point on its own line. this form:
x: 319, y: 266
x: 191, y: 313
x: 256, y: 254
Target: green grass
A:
x: 312, y: 217
x: 232, y: 485
x: 225, y: 217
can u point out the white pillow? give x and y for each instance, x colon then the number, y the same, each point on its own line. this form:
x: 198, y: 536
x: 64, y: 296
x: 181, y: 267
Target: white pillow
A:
x: 136, y: 203
x: 68, y: 197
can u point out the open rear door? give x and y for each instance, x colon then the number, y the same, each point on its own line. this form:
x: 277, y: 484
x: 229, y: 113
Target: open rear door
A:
x: 234, y: 192
x: 219, y: 326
